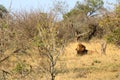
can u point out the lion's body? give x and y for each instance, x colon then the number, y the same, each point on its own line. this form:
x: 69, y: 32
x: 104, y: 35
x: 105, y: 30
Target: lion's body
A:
x: 81, y: 50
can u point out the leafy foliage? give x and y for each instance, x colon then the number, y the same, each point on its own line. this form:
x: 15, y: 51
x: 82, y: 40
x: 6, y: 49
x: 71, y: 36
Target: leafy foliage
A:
x: 90, y: 7
x: 111, y: 25
x: 3, y: 10
x: 95, y: 4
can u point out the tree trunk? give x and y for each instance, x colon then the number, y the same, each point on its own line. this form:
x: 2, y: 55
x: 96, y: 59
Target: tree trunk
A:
x: 103, y: 47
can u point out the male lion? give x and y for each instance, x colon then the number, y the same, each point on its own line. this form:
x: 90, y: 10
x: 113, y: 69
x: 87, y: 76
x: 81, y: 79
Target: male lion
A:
x: 81, y: 49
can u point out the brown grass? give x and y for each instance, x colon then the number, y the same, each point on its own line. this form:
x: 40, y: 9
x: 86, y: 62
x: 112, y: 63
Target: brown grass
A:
x: 95, y: 66
x: 71, y: 66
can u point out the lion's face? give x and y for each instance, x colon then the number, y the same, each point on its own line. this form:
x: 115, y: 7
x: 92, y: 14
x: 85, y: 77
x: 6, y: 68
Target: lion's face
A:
x: 80, y: 47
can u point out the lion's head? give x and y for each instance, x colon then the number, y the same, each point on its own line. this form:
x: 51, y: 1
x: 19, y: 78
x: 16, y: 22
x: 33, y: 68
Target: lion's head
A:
x: 81, y: 49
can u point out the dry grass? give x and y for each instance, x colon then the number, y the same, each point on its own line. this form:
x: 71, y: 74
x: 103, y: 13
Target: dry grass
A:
x: 71, y: 66
x: 90, y: 67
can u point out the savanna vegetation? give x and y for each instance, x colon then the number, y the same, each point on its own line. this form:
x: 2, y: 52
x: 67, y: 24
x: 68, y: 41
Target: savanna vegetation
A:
x: 37, y: 45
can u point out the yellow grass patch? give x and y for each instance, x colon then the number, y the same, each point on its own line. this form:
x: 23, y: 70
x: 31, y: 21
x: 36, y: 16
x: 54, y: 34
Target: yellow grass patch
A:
x: 71, y: 66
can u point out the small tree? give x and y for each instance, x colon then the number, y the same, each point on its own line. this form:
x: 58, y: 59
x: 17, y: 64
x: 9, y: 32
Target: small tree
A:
x: 88, y: 8
x: 48, y: 44
x: 94, y: 5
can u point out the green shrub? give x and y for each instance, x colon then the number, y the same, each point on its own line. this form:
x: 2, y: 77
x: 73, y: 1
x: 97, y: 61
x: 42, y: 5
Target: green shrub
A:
x: 114, y: 37
x: 20, y: 67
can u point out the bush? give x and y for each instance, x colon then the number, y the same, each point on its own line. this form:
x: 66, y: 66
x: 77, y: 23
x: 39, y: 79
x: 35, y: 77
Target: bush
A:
x: 114, y: 37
